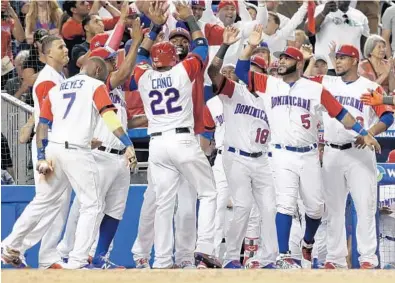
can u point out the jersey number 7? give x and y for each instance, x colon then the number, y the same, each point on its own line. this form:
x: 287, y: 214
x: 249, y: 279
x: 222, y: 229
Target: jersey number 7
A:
x: 71, y: 96
x: 172, y: 95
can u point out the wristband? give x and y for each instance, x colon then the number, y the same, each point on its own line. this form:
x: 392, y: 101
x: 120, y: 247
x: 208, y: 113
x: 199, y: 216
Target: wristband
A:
x: 358, y: 128
x: 125, y: 140
x: 222, y: 51
x: 41, y: 153
x: 192, y: 24
x: 388, y: 100
x: 155, y: 30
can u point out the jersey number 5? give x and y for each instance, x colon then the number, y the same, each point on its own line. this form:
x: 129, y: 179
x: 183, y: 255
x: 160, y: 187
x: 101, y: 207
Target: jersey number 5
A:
x: 71, y: 96
x: 305, y: 121
x: 172, y: 94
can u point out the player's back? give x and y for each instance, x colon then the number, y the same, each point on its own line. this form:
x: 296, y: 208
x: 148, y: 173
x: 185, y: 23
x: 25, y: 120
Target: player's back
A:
x: 74, y: 112
x: 46, y: 80
x: 167, y: 98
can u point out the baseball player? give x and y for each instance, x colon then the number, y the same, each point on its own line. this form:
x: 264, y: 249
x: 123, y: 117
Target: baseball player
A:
x: 114, y: 176
x: 55, y: 53
x: 293, y: 116
x: 166, y: 92
x: 342, y: 170
x: 68, y: 153
x: 245, y: 160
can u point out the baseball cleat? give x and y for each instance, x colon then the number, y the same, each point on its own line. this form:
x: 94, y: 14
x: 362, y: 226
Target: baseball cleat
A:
x: 285, y: 261
x: 234, y: 264
x: 201, y: 265
x: 55, y: 266
x: 255, y: 264
x: 332, y: 265
x: 142, y: 263
x: 367, y: 265
x: 102, y: 262
x: 307, y: 250
x: 186, y: 265
x: 11, y: 256
x: 210, y: 261
x: 389, y: 266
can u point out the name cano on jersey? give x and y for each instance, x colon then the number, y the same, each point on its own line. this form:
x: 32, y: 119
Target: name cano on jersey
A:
x: 160, y: 83
x: 252, y: 111
x: 72, y: 84
x: 292, y: 101
x: 350, y: 101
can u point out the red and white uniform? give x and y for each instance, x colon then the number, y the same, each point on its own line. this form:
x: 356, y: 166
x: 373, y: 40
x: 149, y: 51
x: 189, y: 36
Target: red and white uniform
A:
x: 293, y: 116
x: 46, y: 80
x: 167, y: 99
x: 74, y: 107
x: 348, y: 169
x: 247, y: 167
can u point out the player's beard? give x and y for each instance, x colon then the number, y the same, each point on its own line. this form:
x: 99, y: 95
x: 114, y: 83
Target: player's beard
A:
x: 288, y: 71
x: 181, y: 52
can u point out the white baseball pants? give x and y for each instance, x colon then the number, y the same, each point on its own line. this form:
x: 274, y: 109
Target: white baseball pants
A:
x: 172, y: 156
x: 352, y: 170
x: 250, y: 179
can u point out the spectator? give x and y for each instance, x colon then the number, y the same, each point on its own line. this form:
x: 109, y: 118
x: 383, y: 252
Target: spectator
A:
x: 32, y: 65
x: 15, y: 83
x: 375, y: 67
x: 6, y: 178
x: 92, y: 25
x: 252, y: 9
x: 6, y: 161
x: 42, y: 15
x: 336, y: 21
x: 300, y: 38
x: 264, y: 52
x: 10, y: 25
x: 106, y: 9
x: 388, y: 30
x: 371, y: 9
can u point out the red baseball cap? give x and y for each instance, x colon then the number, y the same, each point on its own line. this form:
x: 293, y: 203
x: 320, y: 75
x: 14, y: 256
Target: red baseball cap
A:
x: 180, y: 32
x: 102, y: 53
x: 290, y: 51
x: 348, y: 50
x: 259, y: 61
x: 224, y: 3
x: 391, y: 157
x: 200, y: 3
x: 99, y: 40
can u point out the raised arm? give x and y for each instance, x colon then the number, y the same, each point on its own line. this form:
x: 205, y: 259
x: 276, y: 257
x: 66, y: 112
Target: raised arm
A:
x: 321, y: 15
x: 17, y: 31
x: 125, y: 70
x: 261, y: 19
x: 294, y: 22
x: 214, y: 71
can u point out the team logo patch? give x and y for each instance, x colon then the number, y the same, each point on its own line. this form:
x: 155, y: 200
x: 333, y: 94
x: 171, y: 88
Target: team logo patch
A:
x: 380, y: 173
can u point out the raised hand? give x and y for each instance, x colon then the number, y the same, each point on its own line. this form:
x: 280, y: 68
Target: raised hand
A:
x: 255, y: 37
x: 231, y: 35
x: 130, y: 155
x: 307, y: 51
x: 332, y: 49
x: 158, y: 12
x: 372, y: 98
x: 183, y: 10
x: 136, y: 32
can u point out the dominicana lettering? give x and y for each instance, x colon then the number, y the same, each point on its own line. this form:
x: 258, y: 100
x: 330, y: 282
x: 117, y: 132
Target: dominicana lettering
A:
x: 351, y: 101
x: 291, y: 100
x: 252, y: 111
x: 115, y: 99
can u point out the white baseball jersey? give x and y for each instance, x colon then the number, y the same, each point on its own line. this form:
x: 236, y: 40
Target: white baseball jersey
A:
x: 294, y: 109
x: 167, y: 96
x: 46, y: 79
x: 247, y: 126
x: 214, y: 120
x: 74, y: 107
x: 348, y: 94
x: 102, y: 133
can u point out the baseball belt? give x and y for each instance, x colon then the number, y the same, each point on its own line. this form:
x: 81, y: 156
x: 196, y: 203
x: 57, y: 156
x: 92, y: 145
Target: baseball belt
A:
x: 112, y: 150
x: 341, y: 146
x: 178, y: 131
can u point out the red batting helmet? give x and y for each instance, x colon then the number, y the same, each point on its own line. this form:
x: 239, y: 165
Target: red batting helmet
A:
x: 164, y: 54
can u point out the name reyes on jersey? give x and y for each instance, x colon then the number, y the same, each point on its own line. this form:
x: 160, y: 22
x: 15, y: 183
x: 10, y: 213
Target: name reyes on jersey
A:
x: 72, y: 84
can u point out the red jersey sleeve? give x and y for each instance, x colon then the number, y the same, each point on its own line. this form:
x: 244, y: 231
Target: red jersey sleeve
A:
x: 42, y: 90
x: 193, y: 65
x: 257, y: 82
x: 317, y: 79
x: 134, y: 103
x: 330, y: 103
x: 214, y: 34
x: 209, y: 123
x: 139, y: 70
x: 109, y: 23
x: 102, y: 100
x: 227, y: 87
x: 45, y: 110
x: 71, y: 28
x: 381, y: 109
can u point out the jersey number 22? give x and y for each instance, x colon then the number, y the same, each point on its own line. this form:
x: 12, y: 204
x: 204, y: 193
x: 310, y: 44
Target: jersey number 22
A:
x: 171, y: 95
